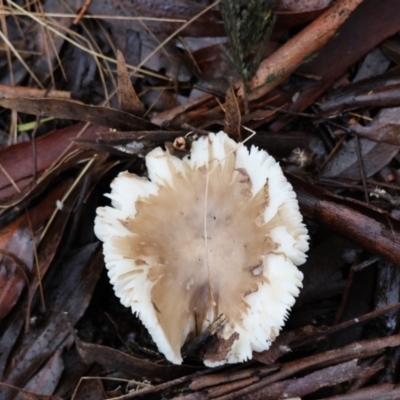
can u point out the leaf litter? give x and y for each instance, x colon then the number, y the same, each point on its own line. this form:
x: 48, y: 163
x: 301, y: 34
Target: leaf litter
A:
x: 341, y: 340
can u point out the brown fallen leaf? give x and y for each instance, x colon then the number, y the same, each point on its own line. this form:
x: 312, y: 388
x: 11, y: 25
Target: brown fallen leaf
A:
x: 16, y: 238
x: 128, y: 99
x: 25, y: 394
x: 391, y: 48
x: 45, y: 382
x: 232, y: 116
x: 375, y: 63
x: 114, y: 360
x: 75, y: 110
x: 384, y: 128
x: 90, y: 389
x: 382, y: 90
x: 17, y: 160
x: 345, y: 163
x: 70, y: 295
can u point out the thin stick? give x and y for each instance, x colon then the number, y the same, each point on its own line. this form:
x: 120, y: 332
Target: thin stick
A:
x: 82, y: 12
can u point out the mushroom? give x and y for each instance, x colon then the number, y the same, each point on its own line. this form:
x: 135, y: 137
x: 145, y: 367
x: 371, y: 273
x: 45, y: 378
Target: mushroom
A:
x: 218, y: 232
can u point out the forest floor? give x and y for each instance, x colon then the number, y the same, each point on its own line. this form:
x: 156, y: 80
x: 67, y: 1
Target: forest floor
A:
x: 88, y: 88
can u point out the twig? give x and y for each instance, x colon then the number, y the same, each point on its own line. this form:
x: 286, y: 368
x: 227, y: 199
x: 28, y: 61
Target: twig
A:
x: 82, y: 12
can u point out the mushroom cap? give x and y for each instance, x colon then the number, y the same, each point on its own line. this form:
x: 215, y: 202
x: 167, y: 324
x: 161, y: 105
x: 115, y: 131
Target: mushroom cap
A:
x: 218, y: 232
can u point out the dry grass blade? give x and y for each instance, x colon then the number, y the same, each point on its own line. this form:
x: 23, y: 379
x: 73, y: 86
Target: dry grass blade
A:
x: 7, y: 12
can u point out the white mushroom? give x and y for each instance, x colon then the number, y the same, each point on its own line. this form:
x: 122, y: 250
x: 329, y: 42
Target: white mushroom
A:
x: 218, y: 232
